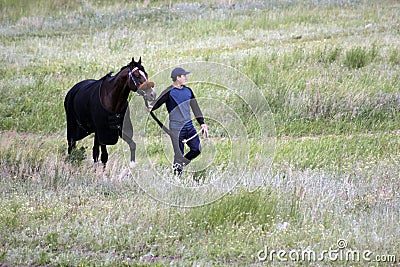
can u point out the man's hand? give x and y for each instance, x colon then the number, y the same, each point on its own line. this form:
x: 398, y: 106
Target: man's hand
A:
x: 204, y: 130
x: 149, y: 108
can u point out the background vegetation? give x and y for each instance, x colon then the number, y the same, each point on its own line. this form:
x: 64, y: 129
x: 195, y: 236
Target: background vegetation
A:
x: 330, y: 71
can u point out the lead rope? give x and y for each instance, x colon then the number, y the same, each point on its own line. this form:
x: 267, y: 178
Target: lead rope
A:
x: 168, y: 131
x: 204, y: 131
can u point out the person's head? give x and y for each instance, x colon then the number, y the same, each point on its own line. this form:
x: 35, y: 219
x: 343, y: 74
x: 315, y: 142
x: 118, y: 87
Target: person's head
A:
x: 178, y: 75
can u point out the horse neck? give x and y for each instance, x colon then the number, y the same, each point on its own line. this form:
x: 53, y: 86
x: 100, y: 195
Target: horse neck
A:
x: 114, y: 92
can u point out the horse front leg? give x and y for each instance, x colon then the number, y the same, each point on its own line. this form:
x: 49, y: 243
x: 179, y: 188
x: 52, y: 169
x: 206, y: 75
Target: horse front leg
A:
x: 132, y: 146
x: 71, y: 145
x: 127, y: 135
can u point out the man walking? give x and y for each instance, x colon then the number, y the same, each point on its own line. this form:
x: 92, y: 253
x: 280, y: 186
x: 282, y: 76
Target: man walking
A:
x: 179, y: 100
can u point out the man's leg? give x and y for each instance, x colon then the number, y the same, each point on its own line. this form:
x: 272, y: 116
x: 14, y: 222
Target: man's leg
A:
x: 194, y: 145
x: 178, y: 146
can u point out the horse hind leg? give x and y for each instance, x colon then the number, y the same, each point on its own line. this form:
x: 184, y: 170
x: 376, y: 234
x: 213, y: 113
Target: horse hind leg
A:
x: 96, y: 151
x: 71, y: 134
x: 104, y: 155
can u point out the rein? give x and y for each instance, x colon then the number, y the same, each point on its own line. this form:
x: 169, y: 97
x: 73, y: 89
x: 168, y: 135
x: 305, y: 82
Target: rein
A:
x: 168, y: 131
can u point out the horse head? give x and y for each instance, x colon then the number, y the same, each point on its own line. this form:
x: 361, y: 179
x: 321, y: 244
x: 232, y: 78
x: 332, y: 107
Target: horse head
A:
x: 139, y: 79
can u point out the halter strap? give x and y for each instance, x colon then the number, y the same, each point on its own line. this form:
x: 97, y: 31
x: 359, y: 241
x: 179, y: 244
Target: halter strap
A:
x: 132, y: 79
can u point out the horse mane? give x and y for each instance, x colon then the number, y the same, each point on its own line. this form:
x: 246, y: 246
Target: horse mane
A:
x: 108, y: 75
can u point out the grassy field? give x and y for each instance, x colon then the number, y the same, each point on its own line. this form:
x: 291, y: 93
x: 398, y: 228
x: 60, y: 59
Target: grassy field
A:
x: 330, y: 72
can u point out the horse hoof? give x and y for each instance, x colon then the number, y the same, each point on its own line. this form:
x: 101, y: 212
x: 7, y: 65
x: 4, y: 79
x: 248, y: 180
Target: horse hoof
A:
x: 132, y: 164
x: 95, y: 166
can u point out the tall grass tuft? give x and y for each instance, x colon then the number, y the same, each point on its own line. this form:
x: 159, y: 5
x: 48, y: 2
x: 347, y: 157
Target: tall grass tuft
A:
x: 358, y: 57
x: 328, y: 55
x: 77, y: 156
x: 394, y: 57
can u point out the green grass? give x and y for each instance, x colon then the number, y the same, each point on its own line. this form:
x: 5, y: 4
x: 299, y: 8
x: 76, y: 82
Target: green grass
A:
x: 358, y: 57
x: 88, y: 220
x: 356, y: 151
x: 329, y: 71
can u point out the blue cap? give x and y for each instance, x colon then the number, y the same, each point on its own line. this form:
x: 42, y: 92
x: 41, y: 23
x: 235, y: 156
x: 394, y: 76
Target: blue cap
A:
x: 178, y: 71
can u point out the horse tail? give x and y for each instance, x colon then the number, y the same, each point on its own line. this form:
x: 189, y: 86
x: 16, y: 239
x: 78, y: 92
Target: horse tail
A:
x: 72, y: 125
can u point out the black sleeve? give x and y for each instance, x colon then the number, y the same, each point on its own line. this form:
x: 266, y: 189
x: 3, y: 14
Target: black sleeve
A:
x: 196, y: 109
x: 161, y: 99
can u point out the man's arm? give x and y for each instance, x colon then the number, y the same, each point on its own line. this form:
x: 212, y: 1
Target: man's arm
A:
x: 196, y: 110
x: 160, y: 100
x: 199, y: 115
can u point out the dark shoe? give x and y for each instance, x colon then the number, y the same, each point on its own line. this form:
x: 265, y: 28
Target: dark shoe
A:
x: 177, y: 169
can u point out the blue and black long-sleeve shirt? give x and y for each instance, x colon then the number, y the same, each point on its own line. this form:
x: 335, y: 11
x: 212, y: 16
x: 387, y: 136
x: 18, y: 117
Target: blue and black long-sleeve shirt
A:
x: 179, y: 102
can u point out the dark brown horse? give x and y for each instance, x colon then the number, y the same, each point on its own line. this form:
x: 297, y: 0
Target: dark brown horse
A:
x: 101, y: 107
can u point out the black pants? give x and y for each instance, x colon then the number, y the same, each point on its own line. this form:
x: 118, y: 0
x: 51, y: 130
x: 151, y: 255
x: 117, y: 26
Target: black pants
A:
x: 179, y: 147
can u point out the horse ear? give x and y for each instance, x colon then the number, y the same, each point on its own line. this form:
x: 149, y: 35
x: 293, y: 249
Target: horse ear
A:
x: 140, y: 60
x: 133, y: 60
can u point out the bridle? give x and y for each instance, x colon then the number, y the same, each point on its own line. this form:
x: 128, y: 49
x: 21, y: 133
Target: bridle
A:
x: 132, y: 79
x: 139, y: 91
